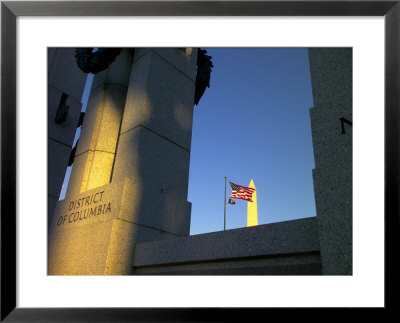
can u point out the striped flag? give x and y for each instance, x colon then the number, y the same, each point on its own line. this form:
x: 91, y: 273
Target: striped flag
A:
x: 241, y: 192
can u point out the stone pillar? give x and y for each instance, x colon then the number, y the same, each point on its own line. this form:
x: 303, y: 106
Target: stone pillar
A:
x: 94, y: 157
x: 155, y: 139
x: 65, y: 87
x: 331, y: 121
x: 98, y: 225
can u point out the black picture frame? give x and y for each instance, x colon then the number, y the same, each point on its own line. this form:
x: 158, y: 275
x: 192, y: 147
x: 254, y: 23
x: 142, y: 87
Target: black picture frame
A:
x: 10, y: 10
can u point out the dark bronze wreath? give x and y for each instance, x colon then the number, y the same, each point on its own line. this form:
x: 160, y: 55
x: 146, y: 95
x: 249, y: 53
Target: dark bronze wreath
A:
x: 94, y: 62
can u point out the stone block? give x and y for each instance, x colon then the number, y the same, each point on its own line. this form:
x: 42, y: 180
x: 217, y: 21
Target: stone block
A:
x: 90, y: 235
x: 331, y: 70
x: 97, y: 170
x: 118, y: 72
x: 102, y: 122
x: 140, y: 52
x: 91, y: 121
x: 51, y: 57
x: 175, y: 56
x: 331, y: 75
x: 124, y: 237
x: 95, y: 154
x: 81, y: 250
x: 87, y: 208
x: 57, y: 160
x: 146, y: 204
x: 65, y: 74
x: 332, y: 148
x: 77, y: 173
x: 184, y: 60
x: 333, y: 197
x: 99, y: 135
x: 297, y: 264
x: 64, y: 132
x: 51, y: 206
x: 154, y: 161
x: 160, y: 98
x: 289, y: 237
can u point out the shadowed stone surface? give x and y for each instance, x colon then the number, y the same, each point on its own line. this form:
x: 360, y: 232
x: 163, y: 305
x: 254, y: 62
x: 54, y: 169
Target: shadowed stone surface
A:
x: 65, y: 86
x: 100, y: 222
x: 160, y: 96
x: 299, y: 264
x: 331, y: 75
x: 64, y: 74
x: 64, y: 132
x: 290, y: 237
x: 57, y: 160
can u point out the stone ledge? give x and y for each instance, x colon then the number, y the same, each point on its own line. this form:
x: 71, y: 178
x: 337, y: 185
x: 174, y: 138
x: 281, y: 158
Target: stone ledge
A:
x: 299, y: 264
x: 289, y: 237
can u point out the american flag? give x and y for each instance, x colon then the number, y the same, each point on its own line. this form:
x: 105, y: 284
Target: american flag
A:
x: 241, y: 192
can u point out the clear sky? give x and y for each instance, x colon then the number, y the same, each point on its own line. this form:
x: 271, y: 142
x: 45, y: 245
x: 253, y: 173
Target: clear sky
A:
x: 252, y: 123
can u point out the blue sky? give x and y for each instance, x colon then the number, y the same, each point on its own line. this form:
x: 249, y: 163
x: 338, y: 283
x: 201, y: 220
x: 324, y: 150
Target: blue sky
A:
x: 252, y: 123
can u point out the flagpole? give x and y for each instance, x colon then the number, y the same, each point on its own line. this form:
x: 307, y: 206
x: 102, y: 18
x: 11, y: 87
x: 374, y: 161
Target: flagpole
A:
x: 225, y: 207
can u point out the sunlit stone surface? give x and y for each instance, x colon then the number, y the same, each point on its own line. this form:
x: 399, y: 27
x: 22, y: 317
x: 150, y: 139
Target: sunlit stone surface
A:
x: 129, y: 180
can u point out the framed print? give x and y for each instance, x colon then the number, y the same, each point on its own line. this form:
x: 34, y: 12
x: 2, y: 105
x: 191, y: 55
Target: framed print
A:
x: 162, y: 306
